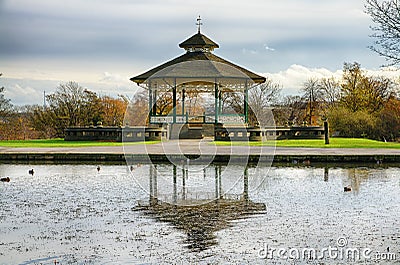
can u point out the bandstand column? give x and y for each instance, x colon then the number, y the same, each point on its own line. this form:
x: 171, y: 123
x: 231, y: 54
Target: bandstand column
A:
x: 150, y: 102
x: 174, y: 102
x: 246, y: 104
x: 220, y: 102
x: 155, y: 102
x: 216, y: 101
x: 183, y: 102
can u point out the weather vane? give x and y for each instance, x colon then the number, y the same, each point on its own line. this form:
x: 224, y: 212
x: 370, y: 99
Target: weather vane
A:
x: 199, y: 23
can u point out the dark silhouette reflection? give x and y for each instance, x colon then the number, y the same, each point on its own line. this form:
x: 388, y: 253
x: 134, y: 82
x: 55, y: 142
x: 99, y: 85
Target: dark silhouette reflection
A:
x: 326, y: 174
x: 200, y: 221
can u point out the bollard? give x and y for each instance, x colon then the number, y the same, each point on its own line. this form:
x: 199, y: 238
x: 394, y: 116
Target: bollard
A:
x: 326, y: 132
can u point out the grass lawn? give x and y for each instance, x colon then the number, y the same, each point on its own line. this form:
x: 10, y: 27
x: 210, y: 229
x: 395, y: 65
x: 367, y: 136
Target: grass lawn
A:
x: 334, y: 143
x: 59, y: 142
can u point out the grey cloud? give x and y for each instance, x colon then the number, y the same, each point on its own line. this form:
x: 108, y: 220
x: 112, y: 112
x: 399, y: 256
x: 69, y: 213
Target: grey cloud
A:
x: 147, y: 33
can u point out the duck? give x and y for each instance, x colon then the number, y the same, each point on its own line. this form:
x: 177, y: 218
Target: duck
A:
x: 31, y: 172
x: 348, y: 188
x: 6, y: 179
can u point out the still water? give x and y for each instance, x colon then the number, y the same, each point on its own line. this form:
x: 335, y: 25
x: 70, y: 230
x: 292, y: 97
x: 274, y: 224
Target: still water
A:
x: 165, y: 214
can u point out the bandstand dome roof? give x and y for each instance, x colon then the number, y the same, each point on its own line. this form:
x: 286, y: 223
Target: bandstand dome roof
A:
x: 198, y: 40
x: 199, y: 62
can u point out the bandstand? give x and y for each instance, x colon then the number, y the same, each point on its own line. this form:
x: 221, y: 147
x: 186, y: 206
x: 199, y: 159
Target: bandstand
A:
x: 198, y: 70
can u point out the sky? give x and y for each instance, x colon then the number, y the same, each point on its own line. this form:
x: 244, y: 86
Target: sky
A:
x: 102, y: 43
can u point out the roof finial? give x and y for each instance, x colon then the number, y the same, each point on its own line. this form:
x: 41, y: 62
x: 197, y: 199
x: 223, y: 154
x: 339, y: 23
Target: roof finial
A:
x: 199, y: 24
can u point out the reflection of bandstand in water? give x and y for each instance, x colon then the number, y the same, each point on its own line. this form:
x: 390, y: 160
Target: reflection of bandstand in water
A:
x: 198, y: 216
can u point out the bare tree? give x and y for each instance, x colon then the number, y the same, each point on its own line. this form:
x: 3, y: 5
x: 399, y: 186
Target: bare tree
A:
x: 386, y: 16
x: 261, y: 98
x: 312, y: 94
x: 260, y: 101
x: 5, y: 105
x: 330, y: 89
x: 290, y: 111
x: 137, y: 112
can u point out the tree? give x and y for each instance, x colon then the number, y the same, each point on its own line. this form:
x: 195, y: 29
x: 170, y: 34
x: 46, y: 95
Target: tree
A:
x: 362, y: 92
x: 355, y: 124
x: 113, y: 110
x: 330, y: 90
x: 312, y: 94
x: 5, y: 105
x: 70, y: 105
x: 291, y: 111
x: 194, y: 102
x: 386, y: 16
x: 46, y: 123
x: 6, y: 115
x: 75, y: 105
x: 366, y: 107
x: 260, y: 101
x: 137, y: 112
x: 389, y: 120
x: 261, y: 98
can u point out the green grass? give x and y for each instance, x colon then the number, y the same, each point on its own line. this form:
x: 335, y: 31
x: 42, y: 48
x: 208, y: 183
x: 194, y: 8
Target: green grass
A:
x: 334, y: 143
x: 59, y: 142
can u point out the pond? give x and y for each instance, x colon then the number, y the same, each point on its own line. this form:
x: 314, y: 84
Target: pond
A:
x: 215, y: 214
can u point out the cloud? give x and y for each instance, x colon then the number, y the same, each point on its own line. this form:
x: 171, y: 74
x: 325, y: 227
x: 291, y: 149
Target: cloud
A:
x: 249, y: 51
x: 23, y: 95
x: 141, y: 30
x: 100, y: 44
x: 293, y: 78
x: 266, y: 47
x: 113, y: 78
x: 30, y: 91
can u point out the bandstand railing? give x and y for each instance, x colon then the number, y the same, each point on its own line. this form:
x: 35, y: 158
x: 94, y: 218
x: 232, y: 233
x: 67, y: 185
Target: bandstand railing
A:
x: 205, y: 118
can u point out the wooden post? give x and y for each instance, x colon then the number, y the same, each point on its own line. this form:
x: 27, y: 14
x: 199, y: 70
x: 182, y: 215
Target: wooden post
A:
x: 326, y: 132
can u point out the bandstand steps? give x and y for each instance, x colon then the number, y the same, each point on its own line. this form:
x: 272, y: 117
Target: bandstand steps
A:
x: 192, y: 133
x: 208, y: 130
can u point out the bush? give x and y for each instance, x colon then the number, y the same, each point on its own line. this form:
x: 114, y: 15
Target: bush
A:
x: 353, y: 124
x: 389, y: 120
